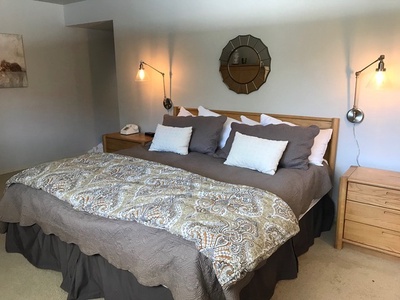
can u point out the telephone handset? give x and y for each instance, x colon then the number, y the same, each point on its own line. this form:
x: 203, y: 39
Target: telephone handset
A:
x: 129, y: 129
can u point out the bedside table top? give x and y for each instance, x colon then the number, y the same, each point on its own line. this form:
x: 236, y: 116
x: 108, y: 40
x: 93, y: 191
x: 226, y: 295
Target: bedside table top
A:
x: 136, y: 137
x: 377, y: 177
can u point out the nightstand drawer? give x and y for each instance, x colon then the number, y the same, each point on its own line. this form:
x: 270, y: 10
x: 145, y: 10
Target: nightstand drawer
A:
x: 374, y: 195
x: 373, y: 215
x: 372, y: 236
x: 115, y: 145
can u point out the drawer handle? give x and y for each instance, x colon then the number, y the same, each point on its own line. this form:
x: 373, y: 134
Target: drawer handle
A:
x: 391, y: 213
x: 392, y: 233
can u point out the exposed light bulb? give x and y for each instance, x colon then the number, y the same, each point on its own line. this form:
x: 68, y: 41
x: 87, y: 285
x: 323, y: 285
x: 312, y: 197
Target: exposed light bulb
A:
x: 141, y: 74
x: 379, y: 78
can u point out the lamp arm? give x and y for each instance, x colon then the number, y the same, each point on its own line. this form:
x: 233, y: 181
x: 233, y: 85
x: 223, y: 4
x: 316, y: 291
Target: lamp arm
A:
x: 355, y: 115
x: 380, y: 58
x: 355, y: 103
x: 167, y: 102
x: 143, y: 63
x: 163, y: 75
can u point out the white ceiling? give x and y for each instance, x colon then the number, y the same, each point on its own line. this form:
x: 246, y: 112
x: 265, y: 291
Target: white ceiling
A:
x: 61, y: 1
x: 104, y: 25
x: 177, y: 15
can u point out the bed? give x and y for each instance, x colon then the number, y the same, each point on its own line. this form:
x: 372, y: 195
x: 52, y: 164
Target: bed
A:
x: 107, y: 250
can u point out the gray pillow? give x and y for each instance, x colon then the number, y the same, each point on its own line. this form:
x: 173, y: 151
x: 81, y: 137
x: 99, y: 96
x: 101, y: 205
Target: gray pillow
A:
x: 206, y: 131
x: 300, y: 140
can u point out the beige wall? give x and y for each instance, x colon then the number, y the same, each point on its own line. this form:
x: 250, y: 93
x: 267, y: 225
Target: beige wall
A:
x: 315, y: 49
x: 59, y: 114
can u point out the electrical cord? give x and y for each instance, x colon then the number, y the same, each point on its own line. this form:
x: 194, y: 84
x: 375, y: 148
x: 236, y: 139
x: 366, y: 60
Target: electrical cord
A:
x: 358, y: 145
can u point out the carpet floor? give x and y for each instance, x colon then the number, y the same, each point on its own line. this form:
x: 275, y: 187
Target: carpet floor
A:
x: 326, y: 273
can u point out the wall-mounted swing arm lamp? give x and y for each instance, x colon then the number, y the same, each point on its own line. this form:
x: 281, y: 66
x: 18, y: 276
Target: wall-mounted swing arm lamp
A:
x: 355, y: 115
x: 141, y: 76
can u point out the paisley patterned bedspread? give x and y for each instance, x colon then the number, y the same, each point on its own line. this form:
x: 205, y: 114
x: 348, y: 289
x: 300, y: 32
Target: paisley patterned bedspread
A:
x: 235, y: 226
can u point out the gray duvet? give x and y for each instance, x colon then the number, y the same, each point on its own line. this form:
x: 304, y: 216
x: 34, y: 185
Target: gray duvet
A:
x: 148, y: 252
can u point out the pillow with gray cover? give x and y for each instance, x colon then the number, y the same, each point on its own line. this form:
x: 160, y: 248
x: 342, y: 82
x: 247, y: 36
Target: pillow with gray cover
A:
x: 206, y: 131
x: 300, y: 140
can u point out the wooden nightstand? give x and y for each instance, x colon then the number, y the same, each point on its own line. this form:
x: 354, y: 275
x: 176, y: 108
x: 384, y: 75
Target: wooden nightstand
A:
x: 115, y: 141
x: 369, y: 210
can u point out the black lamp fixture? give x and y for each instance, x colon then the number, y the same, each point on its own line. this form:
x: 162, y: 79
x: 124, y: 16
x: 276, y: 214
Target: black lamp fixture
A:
x: 141, y: 76
x: 355, y: 115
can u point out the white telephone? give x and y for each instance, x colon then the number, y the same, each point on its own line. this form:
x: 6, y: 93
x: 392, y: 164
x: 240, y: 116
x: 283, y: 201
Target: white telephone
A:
x: 129, y: 129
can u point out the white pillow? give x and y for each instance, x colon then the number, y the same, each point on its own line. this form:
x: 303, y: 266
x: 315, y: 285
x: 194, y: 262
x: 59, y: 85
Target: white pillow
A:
x: 226, y: 128
x: 267, y: 120
x: 183, y: 112
x: 206, y: 112
x: 320, y: 141
x: 247, y: 121
x: 319, y: 148
x: 171, y: 139
x: 255, y: 153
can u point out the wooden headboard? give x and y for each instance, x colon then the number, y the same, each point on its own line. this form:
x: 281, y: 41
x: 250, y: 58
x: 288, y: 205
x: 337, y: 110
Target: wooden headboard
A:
x: 322, y: 123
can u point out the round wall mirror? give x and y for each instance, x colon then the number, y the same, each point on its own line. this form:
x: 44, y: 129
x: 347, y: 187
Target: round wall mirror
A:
x: 245, y: 64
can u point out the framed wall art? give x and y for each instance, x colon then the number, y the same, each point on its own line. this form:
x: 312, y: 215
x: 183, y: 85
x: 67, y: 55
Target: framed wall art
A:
x: 12, y: 61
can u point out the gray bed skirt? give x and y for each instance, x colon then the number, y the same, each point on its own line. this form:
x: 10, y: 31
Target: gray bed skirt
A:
x: 87, y: 277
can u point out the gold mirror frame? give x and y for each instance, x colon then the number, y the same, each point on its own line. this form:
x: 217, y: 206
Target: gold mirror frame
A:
x: 245, y: 64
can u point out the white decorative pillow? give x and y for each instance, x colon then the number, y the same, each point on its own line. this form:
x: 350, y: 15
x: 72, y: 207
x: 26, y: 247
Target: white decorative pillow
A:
x: 267, y: 120
x: 183, y: 112
x: 171, y: 139
x: 226, y: 128
x: 206, y: 112
x: 248, y: 121
x: 320, y: 141
x: 319, y: 148
x: 255, y: 153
